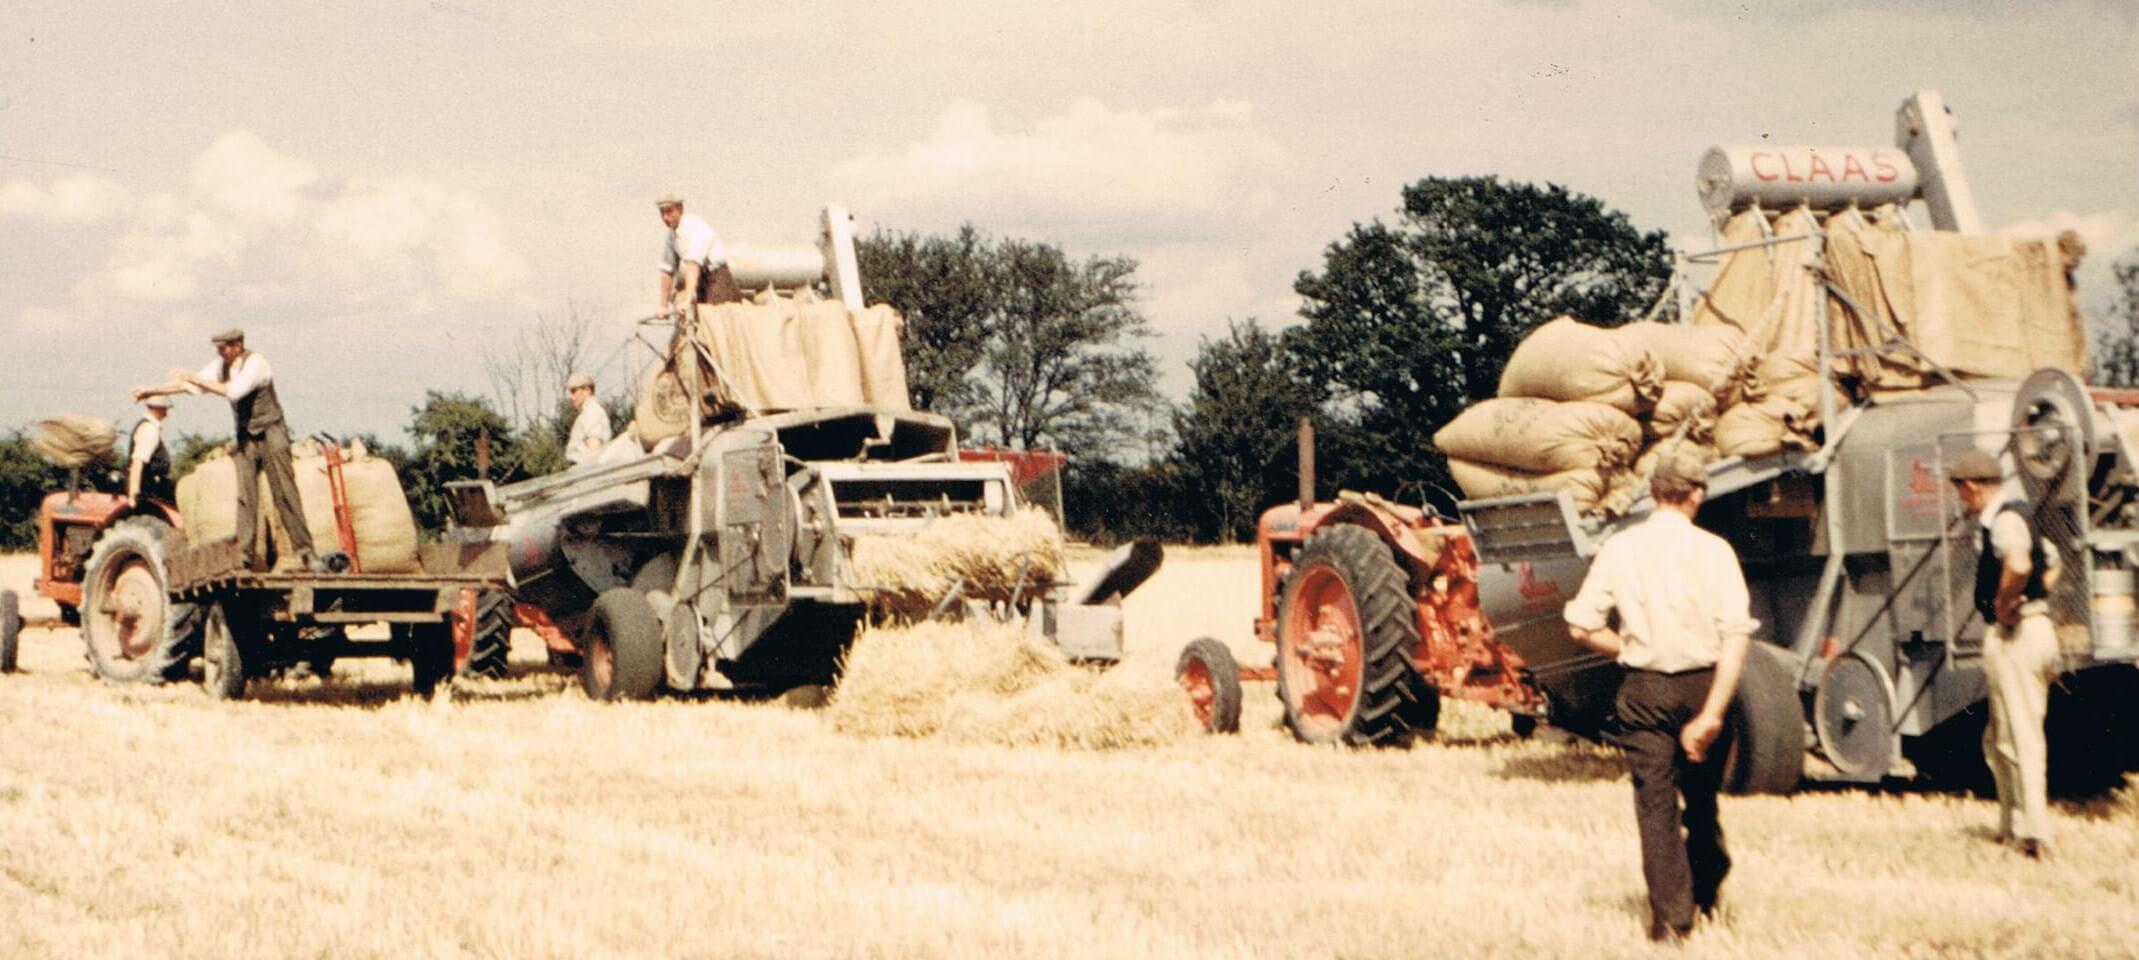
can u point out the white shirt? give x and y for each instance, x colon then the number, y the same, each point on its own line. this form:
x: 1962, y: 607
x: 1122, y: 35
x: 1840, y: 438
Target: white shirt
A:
x: 2009, y: 535
x: 1678, y: 591
x: 693, y: 241
x: 148, y: 435
x: 590, y: 430
x: 248, y: 373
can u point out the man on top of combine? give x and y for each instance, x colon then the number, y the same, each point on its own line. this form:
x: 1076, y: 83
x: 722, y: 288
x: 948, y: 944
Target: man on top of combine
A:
x: 1685, y: 621
x: 2014, y: 574
x: 262, y: 442
x: 590, y: 429
x: 148, y: 459
x: 692, y: 259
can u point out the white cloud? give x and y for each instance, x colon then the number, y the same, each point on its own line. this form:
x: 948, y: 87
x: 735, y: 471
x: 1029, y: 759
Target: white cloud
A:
x: 240, y: 175
x: 73, y: 200
x: 1088, y: 175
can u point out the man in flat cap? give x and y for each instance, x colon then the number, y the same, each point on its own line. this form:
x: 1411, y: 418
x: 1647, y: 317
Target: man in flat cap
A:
x: 2015, y: 571
x: 262, y: 443
x: 590, y: 429
x: 148, y: 460
x: 693, y: 262
x: 1685, y: 623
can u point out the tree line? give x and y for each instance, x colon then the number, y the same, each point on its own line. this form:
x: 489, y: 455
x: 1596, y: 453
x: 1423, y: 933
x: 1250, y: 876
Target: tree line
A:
x: 1402, y: 324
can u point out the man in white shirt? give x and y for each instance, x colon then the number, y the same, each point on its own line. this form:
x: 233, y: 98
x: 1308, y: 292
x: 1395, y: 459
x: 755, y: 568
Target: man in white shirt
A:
x: 2015, y: 572
x: 262, y: 442
x: 693, y: 262
x: 1685, y: 622
x: 590, y: 430
x: 148, y: 460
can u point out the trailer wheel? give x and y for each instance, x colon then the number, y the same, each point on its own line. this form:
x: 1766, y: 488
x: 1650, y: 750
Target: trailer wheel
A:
x: 1767, y: 726
x: 622, y: 656
x: 491, y: 647
x: 1211, y: 678
x: 10, y: 630
x: 430, y: 657
x: 1347, y: 628
x: 133, y: 631
x: 225, y: 657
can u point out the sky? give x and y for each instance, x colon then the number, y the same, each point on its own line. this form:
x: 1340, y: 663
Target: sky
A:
x: 386, y: 195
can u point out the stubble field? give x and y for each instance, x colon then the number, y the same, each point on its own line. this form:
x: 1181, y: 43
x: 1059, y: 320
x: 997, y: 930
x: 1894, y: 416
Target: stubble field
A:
x: 517, y: 819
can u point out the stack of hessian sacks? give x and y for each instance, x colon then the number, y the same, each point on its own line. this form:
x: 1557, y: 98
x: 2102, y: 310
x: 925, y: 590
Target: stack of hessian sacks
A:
x: 1590, y: 409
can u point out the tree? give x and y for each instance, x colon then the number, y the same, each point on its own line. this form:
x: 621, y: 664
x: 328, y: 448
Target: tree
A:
x: 446, y: 428
x: 2116, y: 350
x: 1020, y: 344
x: 942, y: 287
x: 25, y: 478
x: 1408, y: 324
x: 1237, y: 438
x: 527, y: 375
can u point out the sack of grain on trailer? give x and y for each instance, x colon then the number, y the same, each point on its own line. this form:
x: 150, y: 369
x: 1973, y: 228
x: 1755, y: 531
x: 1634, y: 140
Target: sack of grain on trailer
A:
x: 1569, y: 360
x: 1481, y: 481
x: 1684, y: 409
x: 1765, y: 428
x: 1714, y: 357
x: 379, y: 516
x: 1541, y: 436
x: 73, y: 440
x: 1645, y: 467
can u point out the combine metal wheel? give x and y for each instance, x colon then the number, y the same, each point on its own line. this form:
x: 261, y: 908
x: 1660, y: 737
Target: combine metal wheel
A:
x: 1347, y: 628
x: 1209, y: 674
x: 621, y: 658
x: 133, y: 632
x: 10, y: 630
x: 1767, y: 727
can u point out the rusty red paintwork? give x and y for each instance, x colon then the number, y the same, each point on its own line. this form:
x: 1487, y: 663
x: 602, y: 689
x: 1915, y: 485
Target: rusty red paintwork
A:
x: 553, y: 637
x: 338, y: 492
x: 463, y: 620
x: 1457, y: 652
x: 1195, y: 678
x: 1025, y: 465
x: 60, y: 558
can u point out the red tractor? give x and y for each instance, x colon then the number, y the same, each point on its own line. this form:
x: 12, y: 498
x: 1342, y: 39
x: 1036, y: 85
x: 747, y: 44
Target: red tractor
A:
x: 104, y: 559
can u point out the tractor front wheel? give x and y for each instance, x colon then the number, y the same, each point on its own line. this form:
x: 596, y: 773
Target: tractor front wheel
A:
x: 621, y: 657
x: 1347, y: 630
x: 1210, y: 676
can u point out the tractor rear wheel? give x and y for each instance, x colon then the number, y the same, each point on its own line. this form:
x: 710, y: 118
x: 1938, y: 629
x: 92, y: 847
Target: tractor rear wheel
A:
x: 621, y: 658
x: 134, y: 632
x: 1211, y: 677
x: 1347, y: 630
x: 1767, y: 726
x: 10, y: 630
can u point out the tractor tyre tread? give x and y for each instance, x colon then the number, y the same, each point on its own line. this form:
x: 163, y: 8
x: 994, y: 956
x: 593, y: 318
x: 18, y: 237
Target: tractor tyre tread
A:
x: 1395, y: 703
x: 490, y: 649
x: 153, y: 539
x: 626, y: 620
x: 1217, y: 660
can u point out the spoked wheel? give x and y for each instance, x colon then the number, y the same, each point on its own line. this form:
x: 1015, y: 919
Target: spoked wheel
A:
x: 1347, y: 629
x: 1210, y: 676
x: 133, y: 631
x: 224, y: 670
x: 622, y: 652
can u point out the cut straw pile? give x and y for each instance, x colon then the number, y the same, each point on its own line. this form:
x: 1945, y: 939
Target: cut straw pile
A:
x: 994, y: 683
x: 74, y: 440
x: 984, y: 558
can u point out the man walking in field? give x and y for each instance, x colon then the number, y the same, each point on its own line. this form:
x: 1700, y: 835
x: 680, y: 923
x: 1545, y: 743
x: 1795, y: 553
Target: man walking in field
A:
x: 263, y: 441
x: 2014, y: 574
x: 1684, y: 626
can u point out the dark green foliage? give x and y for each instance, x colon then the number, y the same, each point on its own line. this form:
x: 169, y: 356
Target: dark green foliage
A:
x: 1409, y: 323
x: 941, y: 286
x: 1237, y: 440
x: 2116, y: 348
x: 445, y: 429
x: 24, y: 480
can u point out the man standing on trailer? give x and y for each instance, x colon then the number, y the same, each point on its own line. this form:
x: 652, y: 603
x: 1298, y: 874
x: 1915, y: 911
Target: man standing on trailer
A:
x: 2014, y: 574
x: 263, y: 441
x: 692, y: 259
x: 1685, y: 622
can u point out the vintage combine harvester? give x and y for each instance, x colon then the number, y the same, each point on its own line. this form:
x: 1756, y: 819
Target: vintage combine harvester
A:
x: 713, y: 544
x: 1859, y: 558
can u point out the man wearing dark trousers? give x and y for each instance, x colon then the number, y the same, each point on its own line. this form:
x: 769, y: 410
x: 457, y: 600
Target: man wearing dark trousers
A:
x: 263, y: 441
x: 1684, y: 624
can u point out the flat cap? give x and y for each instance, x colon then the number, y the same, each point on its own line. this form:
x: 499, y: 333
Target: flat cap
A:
x: 231, y: 335
x: 1973, y: 464
x: 159, y: 402
x: 668, y: 200
x: 578, y: 380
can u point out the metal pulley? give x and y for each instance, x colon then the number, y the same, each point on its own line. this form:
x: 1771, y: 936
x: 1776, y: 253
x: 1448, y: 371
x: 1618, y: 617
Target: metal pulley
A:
x: 2053, y: 429
x: 1853, y: 715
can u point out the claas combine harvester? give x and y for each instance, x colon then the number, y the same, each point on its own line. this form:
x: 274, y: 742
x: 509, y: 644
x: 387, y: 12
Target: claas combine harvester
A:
x: 713, y: 543
x: 1860, y: 560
